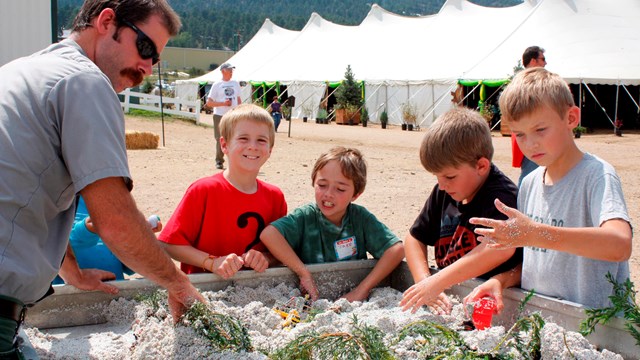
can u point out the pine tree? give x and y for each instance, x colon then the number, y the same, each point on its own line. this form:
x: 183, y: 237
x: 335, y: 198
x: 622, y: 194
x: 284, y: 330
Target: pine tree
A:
x: 349, y: 94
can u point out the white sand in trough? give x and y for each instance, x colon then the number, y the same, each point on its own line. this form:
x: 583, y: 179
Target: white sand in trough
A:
x: 134, y: 332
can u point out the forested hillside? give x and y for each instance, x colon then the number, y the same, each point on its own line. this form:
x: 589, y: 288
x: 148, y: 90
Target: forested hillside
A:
x: 227, y: 24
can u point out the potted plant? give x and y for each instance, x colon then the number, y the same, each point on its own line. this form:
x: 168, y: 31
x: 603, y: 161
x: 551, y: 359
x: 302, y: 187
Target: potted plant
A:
x: 409, y: 114
x: 579, y: 130
x: 384, y: 118
x: 321, y: 118
x: 364, y: 116
x: 487, y: 111
x: 617, y: 127
x: 286, y: 112
x: 348, y: 99
x: 307, y: 110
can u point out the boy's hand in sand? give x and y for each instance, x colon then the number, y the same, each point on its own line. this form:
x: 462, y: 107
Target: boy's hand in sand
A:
x: 255, y: 260
x: 423, y: 293
x: 491, y: 288
x: 356, y: 294
x: 227, y: 266
x: 308, y: 286
x: 517, y: 231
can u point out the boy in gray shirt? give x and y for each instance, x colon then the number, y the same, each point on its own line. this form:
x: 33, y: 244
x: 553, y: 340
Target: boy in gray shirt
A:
x: 572, y: 218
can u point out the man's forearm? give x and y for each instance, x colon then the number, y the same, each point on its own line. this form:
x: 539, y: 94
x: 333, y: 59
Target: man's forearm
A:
x: 126, y: 232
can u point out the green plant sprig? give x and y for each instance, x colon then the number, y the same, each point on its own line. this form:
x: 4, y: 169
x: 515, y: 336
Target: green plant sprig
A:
x: 153, y: 299
x: 365, y: 343
x: 223, y: 331
x: 623, y: 301
x: 532, y: 324
x: 438, y: 339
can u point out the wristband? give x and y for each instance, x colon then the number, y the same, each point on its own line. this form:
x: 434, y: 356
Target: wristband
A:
x: 204, y: 262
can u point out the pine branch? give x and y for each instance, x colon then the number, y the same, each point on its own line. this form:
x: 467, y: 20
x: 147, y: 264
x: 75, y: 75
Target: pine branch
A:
x: 152, y: 299
x: 223, y: 331
x: 623, y: 301
x: 438, y: 341
x: 365, y: 343
x: 531, y: 324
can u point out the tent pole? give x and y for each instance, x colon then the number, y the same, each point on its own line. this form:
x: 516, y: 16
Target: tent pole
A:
x: 375, y: 114
x: 386, y: 97
x: 631, y: 96
x: 161, y: 106
x: 433, y: 101
x: 436, y: 103
x: 290, y: 111
x: 580, y: 101
x: 615, y: 113
x: 598, y: 102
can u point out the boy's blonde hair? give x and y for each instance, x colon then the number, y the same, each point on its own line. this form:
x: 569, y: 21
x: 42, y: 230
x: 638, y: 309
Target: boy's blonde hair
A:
x: 459, y: 136
x: 353, y: 166
x: 249, y: 112
x: 530, y: 90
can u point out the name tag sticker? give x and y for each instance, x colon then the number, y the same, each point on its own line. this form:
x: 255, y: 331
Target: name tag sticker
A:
x: 345, y: 248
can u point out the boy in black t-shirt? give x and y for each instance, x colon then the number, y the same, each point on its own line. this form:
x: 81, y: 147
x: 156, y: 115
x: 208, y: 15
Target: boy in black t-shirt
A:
x: 457, y: 149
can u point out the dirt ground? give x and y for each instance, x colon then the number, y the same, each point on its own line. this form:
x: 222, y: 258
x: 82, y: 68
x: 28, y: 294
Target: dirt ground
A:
x: 397, y: 184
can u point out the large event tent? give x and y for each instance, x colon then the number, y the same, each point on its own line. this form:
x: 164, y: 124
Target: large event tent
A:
x: 422, y: 59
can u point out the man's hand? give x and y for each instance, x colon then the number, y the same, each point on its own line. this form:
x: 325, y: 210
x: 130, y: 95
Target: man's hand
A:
x: 227, y: 266
x: 92, y: 279
x: 255, y: 260
x: 517, y: 231
x: 182, y: 298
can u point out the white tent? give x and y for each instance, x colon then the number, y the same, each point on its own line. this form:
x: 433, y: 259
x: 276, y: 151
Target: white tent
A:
x: 420, y: 59
x: 267, y: 44
x: 589, y: 41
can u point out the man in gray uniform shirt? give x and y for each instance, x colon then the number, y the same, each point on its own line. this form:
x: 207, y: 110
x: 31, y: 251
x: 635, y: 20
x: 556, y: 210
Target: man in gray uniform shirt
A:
x: 62, y: 133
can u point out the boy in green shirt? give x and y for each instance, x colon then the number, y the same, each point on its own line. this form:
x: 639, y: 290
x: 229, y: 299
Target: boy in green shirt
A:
x: 333, y: 229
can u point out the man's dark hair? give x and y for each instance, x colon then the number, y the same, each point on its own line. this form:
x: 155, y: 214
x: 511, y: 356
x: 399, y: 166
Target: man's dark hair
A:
x: 133, y: 11
x: 532, y: 52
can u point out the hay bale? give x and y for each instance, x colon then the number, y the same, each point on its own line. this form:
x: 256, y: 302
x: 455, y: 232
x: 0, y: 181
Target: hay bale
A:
x: 137, y: 140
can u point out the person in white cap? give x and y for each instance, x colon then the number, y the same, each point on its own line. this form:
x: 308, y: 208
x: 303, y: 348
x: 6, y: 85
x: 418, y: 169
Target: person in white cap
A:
x: 223, y: 96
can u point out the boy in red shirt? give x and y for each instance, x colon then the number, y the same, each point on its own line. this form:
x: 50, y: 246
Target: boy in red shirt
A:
x: 217, y: 224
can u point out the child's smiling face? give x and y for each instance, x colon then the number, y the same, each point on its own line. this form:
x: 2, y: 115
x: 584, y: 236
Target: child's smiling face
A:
x: 249, y: 147
x: 333, y: 191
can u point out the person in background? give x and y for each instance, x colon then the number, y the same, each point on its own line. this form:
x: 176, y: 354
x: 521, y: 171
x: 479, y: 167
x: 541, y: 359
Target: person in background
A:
x: 532, y: 57
x: 223, y: 96
x: 216, y: 226
x: 457, y: 148
x: 572, y: 219
x: 333, y: 228
x: 89, y: 249
x: 276, y: 112
x: 56, y: 142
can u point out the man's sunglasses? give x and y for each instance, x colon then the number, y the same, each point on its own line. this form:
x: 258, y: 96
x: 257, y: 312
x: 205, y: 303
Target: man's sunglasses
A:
x: 146, y: 47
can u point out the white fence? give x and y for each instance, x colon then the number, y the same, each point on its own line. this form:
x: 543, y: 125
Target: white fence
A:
x: 173, y: 106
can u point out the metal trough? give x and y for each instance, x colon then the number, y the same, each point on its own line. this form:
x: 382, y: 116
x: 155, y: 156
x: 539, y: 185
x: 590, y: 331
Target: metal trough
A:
x: 70, y: 307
